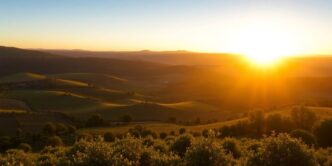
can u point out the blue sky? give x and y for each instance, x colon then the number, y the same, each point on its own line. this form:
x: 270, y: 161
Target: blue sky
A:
x: 197, y: 25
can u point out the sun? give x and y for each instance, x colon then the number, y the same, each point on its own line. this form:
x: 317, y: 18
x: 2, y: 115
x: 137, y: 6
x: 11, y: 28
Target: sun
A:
x: 264, y: 44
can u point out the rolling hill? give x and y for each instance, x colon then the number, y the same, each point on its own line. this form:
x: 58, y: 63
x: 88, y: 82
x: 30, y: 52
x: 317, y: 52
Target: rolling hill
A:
x: 92, y: 82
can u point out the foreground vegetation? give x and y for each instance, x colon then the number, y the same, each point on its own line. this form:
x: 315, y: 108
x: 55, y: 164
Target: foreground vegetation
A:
x: 185, y: 149
x: 261, y: 140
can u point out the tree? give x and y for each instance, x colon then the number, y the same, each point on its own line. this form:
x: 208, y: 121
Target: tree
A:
x: 257, y: 119
x: 181, y: 144
x: 5, y: 143
x: 61, y: 129
x: 126, y: 118
x: 49, y: 129
x: 109, y: 137
x: 25, y: 147
x: 163, y: 135
x: 95, y: 121
x: 323, y: 133
x: 303, y: 117
x: 231, y: 146
x: 71, y: 129
x: 304, y: 136
x: 54, y: 141
x: 279, y: 124
x: 182, y: 131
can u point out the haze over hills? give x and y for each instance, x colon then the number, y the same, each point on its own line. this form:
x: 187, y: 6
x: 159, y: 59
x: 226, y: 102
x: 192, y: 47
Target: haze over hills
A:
x: 164, y: 57
x: 83, y: 85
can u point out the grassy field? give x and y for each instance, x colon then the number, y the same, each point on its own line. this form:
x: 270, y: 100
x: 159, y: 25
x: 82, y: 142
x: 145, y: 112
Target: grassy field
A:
x: 55, y: 101
x: 158, y: 127
x: 321, y: 112
x: 101, y: 80
x: 21, y: 77
x: 191, y: 105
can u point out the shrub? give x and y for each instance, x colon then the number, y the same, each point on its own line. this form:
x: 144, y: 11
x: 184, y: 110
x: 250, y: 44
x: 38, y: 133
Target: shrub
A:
x: 61, y: 129
x: 25, y: 147
x: 257, y: 122
x: 71, y: 129
x: 181, y: 144
x: 129, y: 149
x: 54, y: 141
x: 209, y: 133
x: 5, y: 143
x: 196, y: 134
x: 251, y: 145
x: 160, y: 146
x: 303, y: 117
x: 50, y: 156
x: 281, y: 150
x: 96, y: 121
x: 170, y: 139
x: 84, y: 136
x: 140, y: 131
x: 145, y: 159
x: 182, y: 131
x: 231, y: 146
x: 304, y: 136
x: 240, y: 129
x: 92, y: 153
x: 49, y: 129
x: 323, y: 133
x: 208, y: 153
x: 172, y: 133
x: 205, y: 133
x: 109, y: 137
x: 126, y: 118
x: 166, y: 160
x: 324, y: 156
x: 279, y: 124
x: 162, y: 135
x: 16, y: 157
x: 148, y: 141
x: 147, y: 133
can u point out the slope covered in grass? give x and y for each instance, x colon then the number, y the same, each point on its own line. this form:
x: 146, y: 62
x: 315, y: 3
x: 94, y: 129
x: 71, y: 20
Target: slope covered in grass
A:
x: 12, y: 104
x: 95, y: 79
x: 158, y: 112
x: 55, y: 101
x: 21, y: 77
x: 191, y: 106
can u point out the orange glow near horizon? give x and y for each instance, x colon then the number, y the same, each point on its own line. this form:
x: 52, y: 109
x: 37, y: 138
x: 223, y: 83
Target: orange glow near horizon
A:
x: 265, y: 43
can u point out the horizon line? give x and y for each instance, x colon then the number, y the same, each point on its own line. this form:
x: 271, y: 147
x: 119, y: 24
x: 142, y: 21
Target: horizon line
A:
x: 161, y: 51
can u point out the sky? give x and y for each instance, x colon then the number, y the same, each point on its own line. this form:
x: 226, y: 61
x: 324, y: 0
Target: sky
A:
x: 300, y: 26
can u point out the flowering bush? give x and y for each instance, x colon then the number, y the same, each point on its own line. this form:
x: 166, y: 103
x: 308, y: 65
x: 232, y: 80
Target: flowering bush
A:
x: 281, y: 150
x: 181, y: 144
x: 208, y: 153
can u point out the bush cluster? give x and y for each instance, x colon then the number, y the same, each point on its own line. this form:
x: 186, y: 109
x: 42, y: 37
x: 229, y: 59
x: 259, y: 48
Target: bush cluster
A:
x: 184, y: 150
